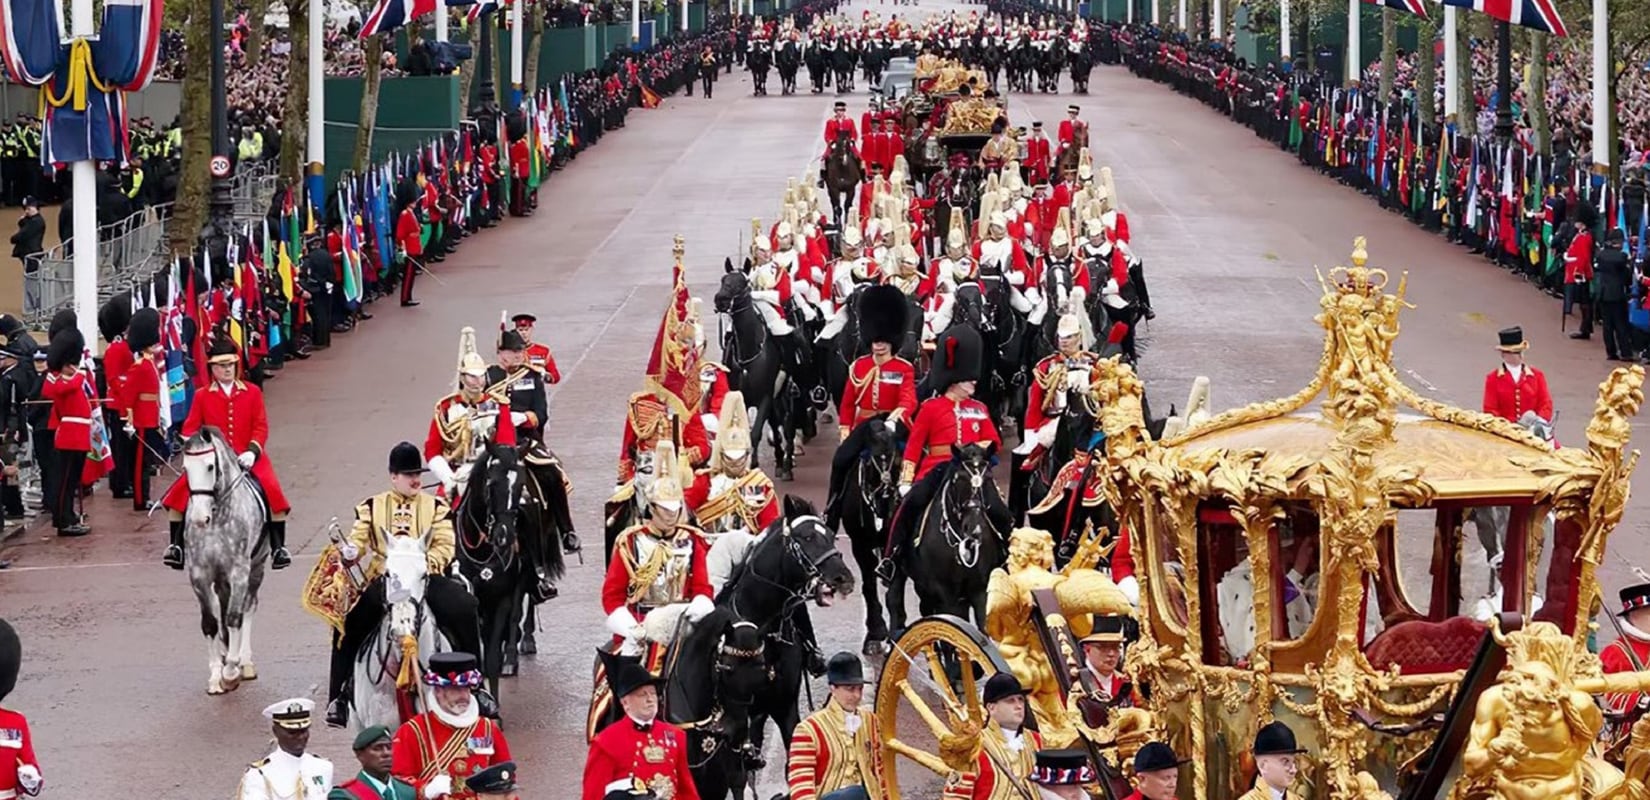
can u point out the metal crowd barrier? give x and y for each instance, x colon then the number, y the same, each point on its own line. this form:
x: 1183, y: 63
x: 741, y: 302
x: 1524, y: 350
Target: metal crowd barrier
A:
x: 132, y: 251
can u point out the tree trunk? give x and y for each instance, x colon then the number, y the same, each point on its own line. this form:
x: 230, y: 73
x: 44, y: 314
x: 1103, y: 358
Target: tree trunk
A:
x: 255, y: 30
x: 1466, y: 110
x: 530, y: 69
x: 1535, y: 94
x: 1426, y: 71
x: 294, y: 122
x: 1389, y: 52
x: 467, y: 75
x: 369, y: 104
x: 195, y: 177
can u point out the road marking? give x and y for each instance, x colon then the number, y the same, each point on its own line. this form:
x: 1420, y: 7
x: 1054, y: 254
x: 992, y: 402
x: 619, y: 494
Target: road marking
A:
x: 1418, y: 379
x: 585, y: 353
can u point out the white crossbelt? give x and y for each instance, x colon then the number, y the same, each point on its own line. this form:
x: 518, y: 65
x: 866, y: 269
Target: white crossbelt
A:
x: 83, y: 421
x: 8, y: 794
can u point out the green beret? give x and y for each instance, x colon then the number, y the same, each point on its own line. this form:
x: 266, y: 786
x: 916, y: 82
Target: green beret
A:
x: 371, y: 736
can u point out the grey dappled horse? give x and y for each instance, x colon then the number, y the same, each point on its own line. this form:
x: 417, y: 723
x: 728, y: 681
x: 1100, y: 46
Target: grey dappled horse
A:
x: 224, y: 554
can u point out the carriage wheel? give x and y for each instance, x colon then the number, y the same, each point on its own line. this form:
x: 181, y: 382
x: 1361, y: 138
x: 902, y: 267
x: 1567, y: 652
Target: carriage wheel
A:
x: 929, y: 685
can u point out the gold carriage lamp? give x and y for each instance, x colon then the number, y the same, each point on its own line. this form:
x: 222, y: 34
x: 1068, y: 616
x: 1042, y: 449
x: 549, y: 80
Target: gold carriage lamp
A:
x: 1274, y: 534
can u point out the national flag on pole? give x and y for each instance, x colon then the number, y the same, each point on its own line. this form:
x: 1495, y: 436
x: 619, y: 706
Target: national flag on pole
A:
x: 1407, y: 6
x: 1539, y: 14
x: 387, y: 15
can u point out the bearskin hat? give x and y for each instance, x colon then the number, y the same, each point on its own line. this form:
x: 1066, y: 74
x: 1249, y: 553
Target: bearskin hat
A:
x: 882, y: 315
x: 144, y: 330
x: 114, y: 316
x: 10, y: 325
x: 66, y: 348
x: 62, y: 321
x: 959, y: 355
x: 11, y: 657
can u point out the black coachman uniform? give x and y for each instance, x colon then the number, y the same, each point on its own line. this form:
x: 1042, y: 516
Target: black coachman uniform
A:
x: 527, y: 392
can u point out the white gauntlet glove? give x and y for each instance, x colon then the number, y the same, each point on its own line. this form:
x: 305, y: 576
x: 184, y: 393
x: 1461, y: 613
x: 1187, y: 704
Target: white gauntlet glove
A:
x: 904, y: 489
x: 349, y: 552
x: 442, y: 471
x: 439, y: 786
x: 699, y: 608
x: 246, y: 459
x: 28, y: 777
x: 518, y: 419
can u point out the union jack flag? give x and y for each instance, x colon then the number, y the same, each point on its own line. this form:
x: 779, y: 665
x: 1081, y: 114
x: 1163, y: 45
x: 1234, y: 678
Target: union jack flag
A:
x: 1539, y: 14
x: 387, y: 15
x: 1407, y: 6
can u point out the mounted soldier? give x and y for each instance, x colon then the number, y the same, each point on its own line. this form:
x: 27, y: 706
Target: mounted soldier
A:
x: 880, y: 384
x: 538, y: 353
x: 522, y: 385
x: 1054, y: 381
x: 727, y: 495
x: 237, y: 409
x: 771, y: 293
x: 465, y: 421
x: 347, y: 586
x: 851, y: 270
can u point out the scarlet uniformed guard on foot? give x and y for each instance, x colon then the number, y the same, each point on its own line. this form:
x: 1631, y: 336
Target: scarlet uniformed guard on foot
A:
x: 141, y: 392
x: 836, y: 753
x: 237, y: 409
x: 289, y: 772
x: 404, y: 510
x: 66, y: 387
x: 439, y: 749
x: 20, y: 770
x: 640, y: 748
x: 373, y: 748
x: 1008, y: 752
x: 880, y: 385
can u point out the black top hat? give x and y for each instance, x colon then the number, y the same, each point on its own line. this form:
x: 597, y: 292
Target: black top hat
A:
x: 405, y: 459
x: 1108, y: 628
x: 499, y: 778
x: 957, y: 357
x: 844, y: 669
x: 1073, y: 108
x: 114, y: 316
x: 11, y: 657
x: 1512, y: 340
x: 1276, y: 739
x: 882, y: 314
x: 143, y: 332
x: 1062, y: 768
x: 625, y: 675
x: 65, y: 349
x: 1002, y: 685
x: 524, y: 317
x: 223, y: 351
x: 1155, y: 756
x: 840, y: 104
x: 1036, y: 123
x: 511, y: 341
x: 1634, y: 598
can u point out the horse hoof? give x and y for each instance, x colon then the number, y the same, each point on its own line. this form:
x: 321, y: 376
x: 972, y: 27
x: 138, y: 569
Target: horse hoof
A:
x: 248, y: 672
x: 785, y: 474
x: 214, y: 687
x: 875, y: 647
x: 231, y: 674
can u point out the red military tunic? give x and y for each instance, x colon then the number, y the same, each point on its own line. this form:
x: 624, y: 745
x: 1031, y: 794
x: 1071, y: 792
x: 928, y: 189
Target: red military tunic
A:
x: 874, y: 389
x: 616, y: 584
x: 1038, y: 159
x: 984, y: 783
x: 117, y: 360
x: 142, y: 394
x: 409, y: 232
x: 711, y: 402
x: 646, y: 422
x: 1614, y: 658
x: 239, y: 413
x: 538, y: 354
x: 503, y: 433
x: 72, y: 410
x: 833, y: 126
x: 489, y: 161
x: 1067, y: 133
x: 941, y: 425
x: 18, y: 747
x: 425, y: 747
x: 657, y: 756
x: 758, y: 513
x: 1509, y: 399
x: 519, y: 159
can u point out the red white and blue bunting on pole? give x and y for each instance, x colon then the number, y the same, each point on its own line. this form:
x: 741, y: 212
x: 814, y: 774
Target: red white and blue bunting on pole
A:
x: 1539, y: 14
x: 82, y: 81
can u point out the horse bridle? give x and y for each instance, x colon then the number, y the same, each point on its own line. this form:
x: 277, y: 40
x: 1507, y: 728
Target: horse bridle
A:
x: 810, y: 568
x: 737, y: 305
x: 217, y: 462
x: 505, y: 556
x: 883, y: 469
x: 965, y: 545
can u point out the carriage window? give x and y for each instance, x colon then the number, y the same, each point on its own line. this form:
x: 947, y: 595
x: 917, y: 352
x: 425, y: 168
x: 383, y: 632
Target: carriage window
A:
x: 1168, y: 583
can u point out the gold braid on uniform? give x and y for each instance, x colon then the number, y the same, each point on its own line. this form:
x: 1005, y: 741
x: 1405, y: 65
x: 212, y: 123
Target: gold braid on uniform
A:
x: 643, y: 575
x: 456, y: 432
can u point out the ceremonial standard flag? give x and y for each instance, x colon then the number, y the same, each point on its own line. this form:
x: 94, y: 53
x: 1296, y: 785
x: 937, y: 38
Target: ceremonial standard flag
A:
x: 387, y: 15
x: 1539, y: 14
x: 1407, y: 6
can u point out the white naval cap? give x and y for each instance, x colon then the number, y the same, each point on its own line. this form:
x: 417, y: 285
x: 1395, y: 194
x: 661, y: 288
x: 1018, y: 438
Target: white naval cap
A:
x: 293, y: 714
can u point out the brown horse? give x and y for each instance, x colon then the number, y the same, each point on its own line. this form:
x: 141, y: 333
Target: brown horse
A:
x: 843, y: 173
x: 1071, y: 155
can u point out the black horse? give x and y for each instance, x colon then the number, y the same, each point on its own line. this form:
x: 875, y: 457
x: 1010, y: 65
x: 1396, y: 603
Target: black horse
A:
x: 489, y: 558
x: 843, y: 59
x: 843, y: 173
x: 789, y: 60
x: 1082, y: 63
x: 957, y: 544
x: 759, y: 60
x: 756, y: 367
x: 1050, y: 65
x: 795, y: 562
x: 869, y: 496
x: 716, y: 671
x: 819, y: 69
x: 544, y: 526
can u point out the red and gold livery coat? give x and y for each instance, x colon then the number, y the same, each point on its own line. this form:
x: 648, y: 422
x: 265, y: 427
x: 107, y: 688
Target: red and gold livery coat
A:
x: 1508, y: 398
x: 987, y: 782
x: 657, y: 757
x: 425, y: 747
x: 825, y: 757
x: 239, y: 412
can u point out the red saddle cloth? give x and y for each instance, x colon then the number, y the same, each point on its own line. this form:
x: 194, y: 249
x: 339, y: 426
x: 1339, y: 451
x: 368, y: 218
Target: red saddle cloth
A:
x: 1423, y: 647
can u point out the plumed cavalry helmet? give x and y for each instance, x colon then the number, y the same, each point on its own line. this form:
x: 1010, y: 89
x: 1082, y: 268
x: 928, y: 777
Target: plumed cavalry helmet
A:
x: 114, y: 316
x: 469, y: 361
x: 1069, y: 325
x: 143, y: 332
x: 667, y: 482
x: 1062, y: 230
x: 958, y: 356
x: 733, y: 430
x: 11, y: 658
x: 882, y: 315
x: 65, y: 349
x: 958, y: 236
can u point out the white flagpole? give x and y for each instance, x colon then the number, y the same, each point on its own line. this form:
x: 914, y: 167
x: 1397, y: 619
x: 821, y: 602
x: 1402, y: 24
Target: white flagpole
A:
x: 1286, y: 48
x: 1601, y: 89
x: 1354, y: 39
x: 1452, y: 70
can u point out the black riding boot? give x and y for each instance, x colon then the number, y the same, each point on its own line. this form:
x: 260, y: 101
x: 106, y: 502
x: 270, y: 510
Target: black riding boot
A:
x: 338, y: 686
x: 174, y: 551
x: 279, y: 558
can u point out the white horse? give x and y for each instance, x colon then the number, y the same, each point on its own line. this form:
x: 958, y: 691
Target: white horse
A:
x: 382, y: 669
x: 224, y: 555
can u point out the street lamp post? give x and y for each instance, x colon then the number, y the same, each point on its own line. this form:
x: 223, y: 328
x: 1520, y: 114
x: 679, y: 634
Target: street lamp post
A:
x: 220, y: 206
x: 1503, y: 82
x: 485, y: 110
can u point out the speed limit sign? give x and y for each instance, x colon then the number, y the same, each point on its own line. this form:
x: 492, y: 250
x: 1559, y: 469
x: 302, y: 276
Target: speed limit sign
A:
x: 220, y: 166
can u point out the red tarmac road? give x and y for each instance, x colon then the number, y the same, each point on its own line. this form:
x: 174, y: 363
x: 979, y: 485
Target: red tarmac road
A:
x: 1230, y: 229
